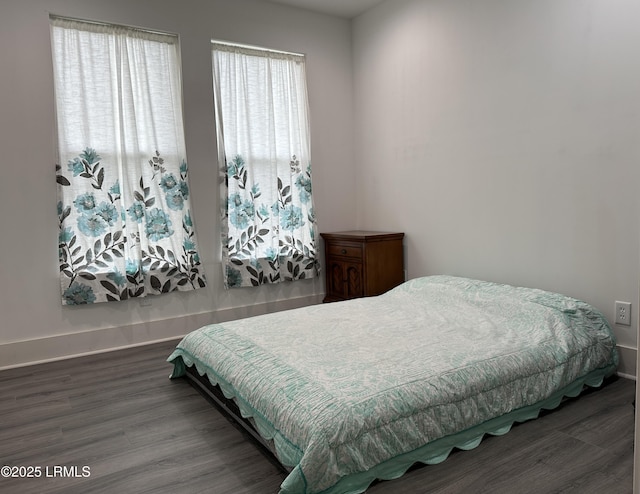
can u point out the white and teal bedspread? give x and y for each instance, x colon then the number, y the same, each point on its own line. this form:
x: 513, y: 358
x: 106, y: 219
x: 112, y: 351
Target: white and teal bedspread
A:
x: 358, y: 390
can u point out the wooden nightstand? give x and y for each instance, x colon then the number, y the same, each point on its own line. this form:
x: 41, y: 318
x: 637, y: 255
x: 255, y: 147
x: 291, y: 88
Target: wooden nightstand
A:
x: 362, y: 263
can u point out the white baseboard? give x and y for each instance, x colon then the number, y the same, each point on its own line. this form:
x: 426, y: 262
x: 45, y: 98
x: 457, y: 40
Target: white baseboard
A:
x: 59, y: 347
x: 628, y: 362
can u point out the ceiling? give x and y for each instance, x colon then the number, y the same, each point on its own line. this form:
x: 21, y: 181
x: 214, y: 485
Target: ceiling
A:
x: 340, y: 8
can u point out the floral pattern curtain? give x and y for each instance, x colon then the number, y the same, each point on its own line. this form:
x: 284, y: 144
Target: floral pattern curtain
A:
x: 269, y: 232
x: 125, y: 222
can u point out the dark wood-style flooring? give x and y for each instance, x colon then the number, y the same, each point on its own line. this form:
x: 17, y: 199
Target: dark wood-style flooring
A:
x: 119, y: 414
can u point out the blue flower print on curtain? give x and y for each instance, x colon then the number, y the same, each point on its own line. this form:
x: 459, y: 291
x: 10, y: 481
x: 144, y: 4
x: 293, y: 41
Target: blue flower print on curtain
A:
x: 118, y: 242
x: 270, y: 241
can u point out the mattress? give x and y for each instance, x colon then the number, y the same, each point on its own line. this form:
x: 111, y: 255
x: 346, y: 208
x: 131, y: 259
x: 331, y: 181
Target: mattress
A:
x: 357, y: 390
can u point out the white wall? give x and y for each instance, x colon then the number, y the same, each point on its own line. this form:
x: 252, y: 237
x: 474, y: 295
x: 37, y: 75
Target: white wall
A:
x: 33, y: 324
x: 504, y: 139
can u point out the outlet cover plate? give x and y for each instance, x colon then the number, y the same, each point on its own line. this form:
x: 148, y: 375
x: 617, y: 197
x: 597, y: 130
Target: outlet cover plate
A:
x: 623, y: 313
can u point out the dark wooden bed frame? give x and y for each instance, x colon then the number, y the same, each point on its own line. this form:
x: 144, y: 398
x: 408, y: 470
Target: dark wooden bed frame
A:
x: 230, y: 410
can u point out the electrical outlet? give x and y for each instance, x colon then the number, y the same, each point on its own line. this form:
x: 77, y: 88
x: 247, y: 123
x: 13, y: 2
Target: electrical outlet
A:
x: 623, y: 313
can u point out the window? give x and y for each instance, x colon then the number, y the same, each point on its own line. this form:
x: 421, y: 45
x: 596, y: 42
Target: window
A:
x: 268, y: 223
x: 126, y: 228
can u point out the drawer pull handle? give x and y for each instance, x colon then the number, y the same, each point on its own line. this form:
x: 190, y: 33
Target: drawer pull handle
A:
x: 343, y: 251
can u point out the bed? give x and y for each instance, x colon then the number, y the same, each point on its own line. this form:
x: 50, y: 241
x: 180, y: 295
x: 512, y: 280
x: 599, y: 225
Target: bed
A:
x: 350, y: 392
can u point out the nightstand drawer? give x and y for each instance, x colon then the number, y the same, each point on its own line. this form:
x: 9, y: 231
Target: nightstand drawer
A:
x: 344, y: 249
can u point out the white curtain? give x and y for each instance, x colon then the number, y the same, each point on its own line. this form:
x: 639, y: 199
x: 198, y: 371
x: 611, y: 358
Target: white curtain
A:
x: 268, y: 223
x: 126, y: 228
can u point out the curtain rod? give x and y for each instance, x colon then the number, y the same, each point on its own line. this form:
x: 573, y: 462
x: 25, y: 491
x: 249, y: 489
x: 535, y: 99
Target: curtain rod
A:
x: 254, y: 47
x: 109, y: 24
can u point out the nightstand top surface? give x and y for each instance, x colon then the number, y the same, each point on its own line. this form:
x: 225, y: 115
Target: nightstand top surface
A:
x: 362, y: 235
